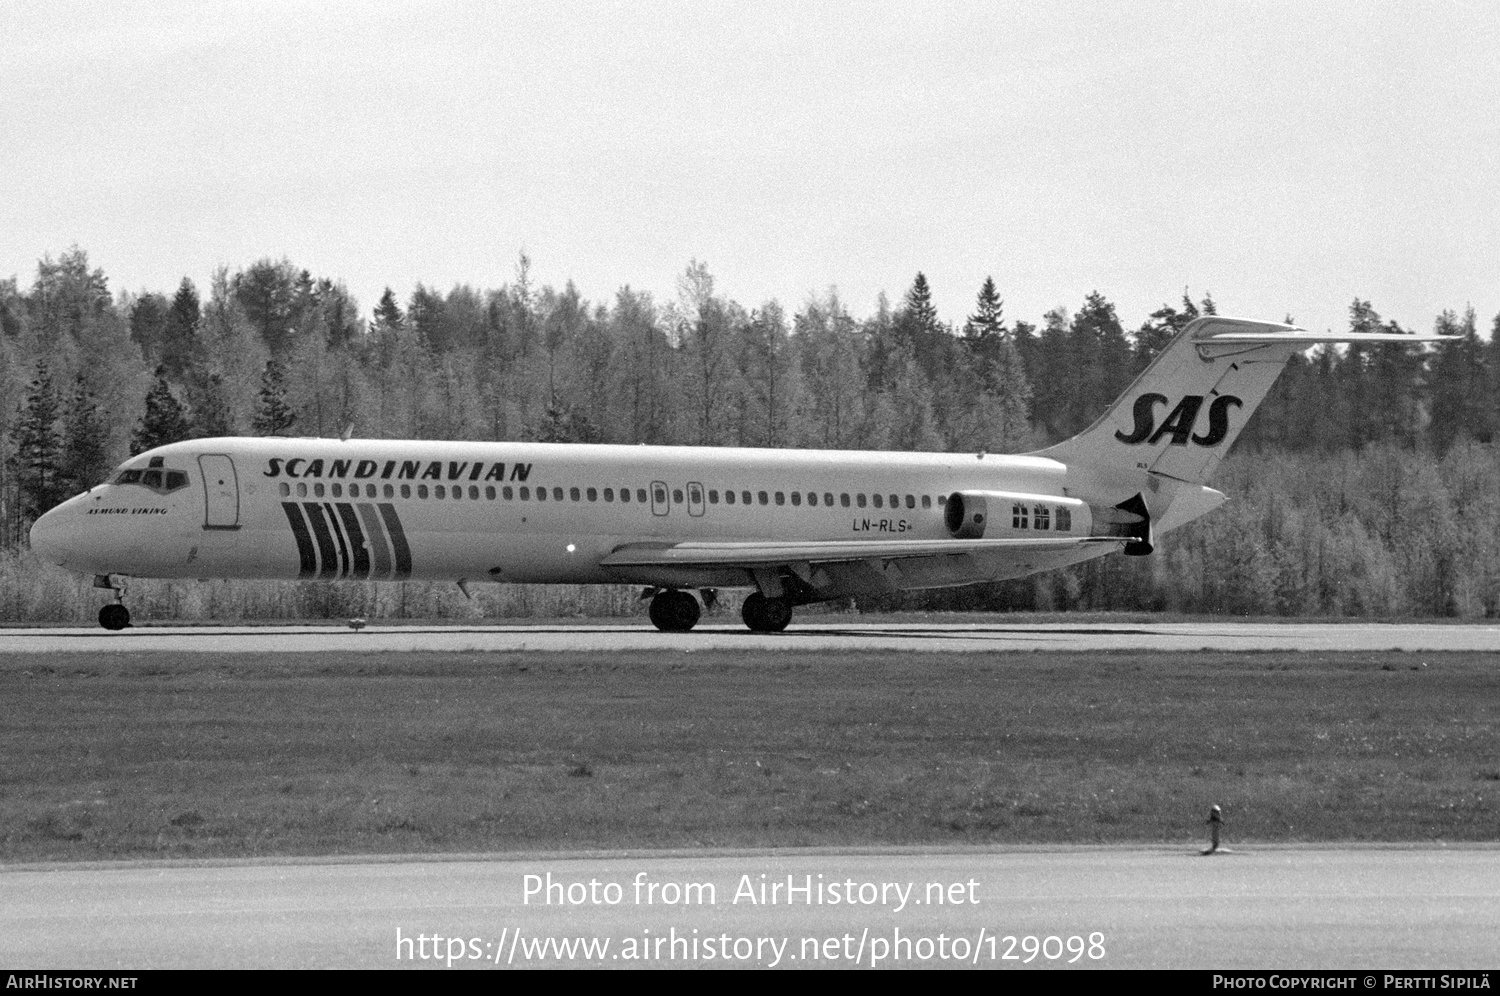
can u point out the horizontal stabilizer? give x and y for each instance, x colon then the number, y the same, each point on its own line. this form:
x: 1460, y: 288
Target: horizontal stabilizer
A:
x: 1313, y: 338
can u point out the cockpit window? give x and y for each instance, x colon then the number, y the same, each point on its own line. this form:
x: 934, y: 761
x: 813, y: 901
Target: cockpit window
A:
x: 157, y: 479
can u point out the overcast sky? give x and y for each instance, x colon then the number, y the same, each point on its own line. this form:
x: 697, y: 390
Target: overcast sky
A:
x: 1285, y: 157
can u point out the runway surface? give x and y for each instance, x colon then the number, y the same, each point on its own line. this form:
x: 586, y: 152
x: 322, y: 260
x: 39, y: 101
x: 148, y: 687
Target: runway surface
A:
x: 1095, y: 907
x: 919, y: 637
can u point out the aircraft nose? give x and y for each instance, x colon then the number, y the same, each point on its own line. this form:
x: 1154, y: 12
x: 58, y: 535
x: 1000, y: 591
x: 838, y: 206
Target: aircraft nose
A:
x: 47, y: 538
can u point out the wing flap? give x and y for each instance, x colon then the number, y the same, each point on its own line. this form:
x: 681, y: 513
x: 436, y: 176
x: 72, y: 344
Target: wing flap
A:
x: 745, y: 553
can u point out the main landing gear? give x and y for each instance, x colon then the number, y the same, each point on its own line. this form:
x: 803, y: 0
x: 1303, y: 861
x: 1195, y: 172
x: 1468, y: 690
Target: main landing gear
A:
x: 674, y: 611
x: 114, y: 616
x: 766, y: 615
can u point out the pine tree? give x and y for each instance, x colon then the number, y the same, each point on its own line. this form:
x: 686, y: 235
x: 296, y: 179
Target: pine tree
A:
x: 918, y: 327
x: 1458, y: 385
x: 179, y: 344
x: 986, y: 327
x: 388, y: 315
x: 85, y: 433
x: 273, y: 416
x: 211, y: 414
x: 36, y: 463
x: 165, y: 421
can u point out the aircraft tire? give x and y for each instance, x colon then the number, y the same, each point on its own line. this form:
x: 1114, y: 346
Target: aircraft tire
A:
x: 766, y: 615
x: 674, y: 611
x: 114, y: 616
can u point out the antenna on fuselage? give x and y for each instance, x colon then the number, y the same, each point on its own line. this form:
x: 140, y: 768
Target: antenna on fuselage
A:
x: 348, y: 431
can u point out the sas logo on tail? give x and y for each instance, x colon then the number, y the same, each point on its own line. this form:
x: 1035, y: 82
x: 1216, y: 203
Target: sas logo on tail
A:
x: 1179, y: 424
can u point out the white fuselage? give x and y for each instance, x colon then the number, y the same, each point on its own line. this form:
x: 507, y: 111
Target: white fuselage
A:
x: 521, y: 512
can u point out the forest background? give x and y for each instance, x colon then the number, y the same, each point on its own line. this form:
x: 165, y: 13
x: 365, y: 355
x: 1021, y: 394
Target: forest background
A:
x: 1367, y: 484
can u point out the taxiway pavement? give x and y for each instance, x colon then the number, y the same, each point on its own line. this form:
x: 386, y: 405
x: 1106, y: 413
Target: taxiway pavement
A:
x: 1277, y: 907
x: 714, y: 635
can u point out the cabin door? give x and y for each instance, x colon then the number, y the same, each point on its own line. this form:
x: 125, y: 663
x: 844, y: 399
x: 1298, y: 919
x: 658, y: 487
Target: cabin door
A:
x: 661, y: 504
x: 221, y: 492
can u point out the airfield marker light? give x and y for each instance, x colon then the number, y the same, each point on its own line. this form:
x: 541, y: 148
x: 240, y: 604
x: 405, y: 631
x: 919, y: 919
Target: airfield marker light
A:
x: 1215, y: 821
x: 571, y: 547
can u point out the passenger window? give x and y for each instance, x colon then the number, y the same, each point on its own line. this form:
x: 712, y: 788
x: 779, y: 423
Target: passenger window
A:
x: 541, y: 494
x: 458, y: 492
x: 438, y: 491
x: 317, y: 490
x: 593, y: 494
x: 557, y: 494
x: 844, y: 499
x: 859, y: 499
x: 609, y: 494
x: 677, y: 496
x: 745, y: 498
x: 625, y: 494
x: 765, y: 499
x: 338, y: 490
x: 878, y: 499
x: 780, y: 498
x: 812, y: 498
x: 526, y: 493
x: 421, y: 491
x: 390, y: 491
x: 489, y: 493
x: 796, y: 498
x: 911, y: 501
x: 1064, y: 520
x: 1042, y: 515
x: 828, y: 499
x: 661, y: 496
x: 406, y: 491
x: 942, y: 500
x: 508, y: 493
x: 895, y: 501
x: 728, y: 497
x: 1018, y: 516
x: 927, y: 501
x: 713, y: 497
x: 575, y: 494
x: 301, y: 490
x: 640, y: 495
x: 286, y: 490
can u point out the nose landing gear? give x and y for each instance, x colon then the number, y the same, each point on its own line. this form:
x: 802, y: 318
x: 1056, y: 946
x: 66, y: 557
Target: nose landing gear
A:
x: 114, y: 616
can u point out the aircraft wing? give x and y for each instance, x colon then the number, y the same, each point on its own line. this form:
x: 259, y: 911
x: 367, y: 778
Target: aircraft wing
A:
x: 761, y: 553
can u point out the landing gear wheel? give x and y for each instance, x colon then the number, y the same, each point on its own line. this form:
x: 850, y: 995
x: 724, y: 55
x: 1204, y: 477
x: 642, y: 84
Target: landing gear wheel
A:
x: 674, y: 611
x: 766, y: 615
x: 114, y: 616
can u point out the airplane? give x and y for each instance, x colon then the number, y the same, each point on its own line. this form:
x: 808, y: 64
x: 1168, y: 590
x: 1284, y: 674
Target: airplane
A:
x: 796, y: 526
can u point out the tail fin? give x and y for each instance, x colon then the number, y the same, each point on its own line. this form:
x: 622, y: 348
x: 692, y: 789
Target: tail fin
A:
x: 1186, y: 409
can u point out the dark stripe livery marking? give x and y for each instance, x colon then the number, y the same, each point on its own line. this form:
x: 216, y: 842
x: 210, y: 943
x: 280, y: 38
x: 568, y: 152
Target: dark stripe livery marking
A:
x: 380, y: 546
x: 327, y: 552
x: 348, y: 540
x: 305, y: 552
x: 398, y: 540
x: 356, y: 540
x: 339, y: 539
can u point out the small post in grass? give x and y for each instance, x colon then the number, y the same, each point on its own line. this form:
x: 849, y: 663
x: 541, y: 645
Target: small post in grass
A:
x: 1215, y: 821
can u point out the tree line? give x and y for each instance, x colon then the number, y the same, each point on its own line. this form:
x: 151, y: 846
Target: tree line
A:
x: 88, y: 376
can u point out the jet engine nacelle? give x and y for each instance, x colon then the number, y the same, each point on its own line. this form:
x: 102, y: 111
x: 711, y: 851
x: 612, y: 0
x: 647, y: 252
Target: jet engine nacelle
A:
x: 976, y: 514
